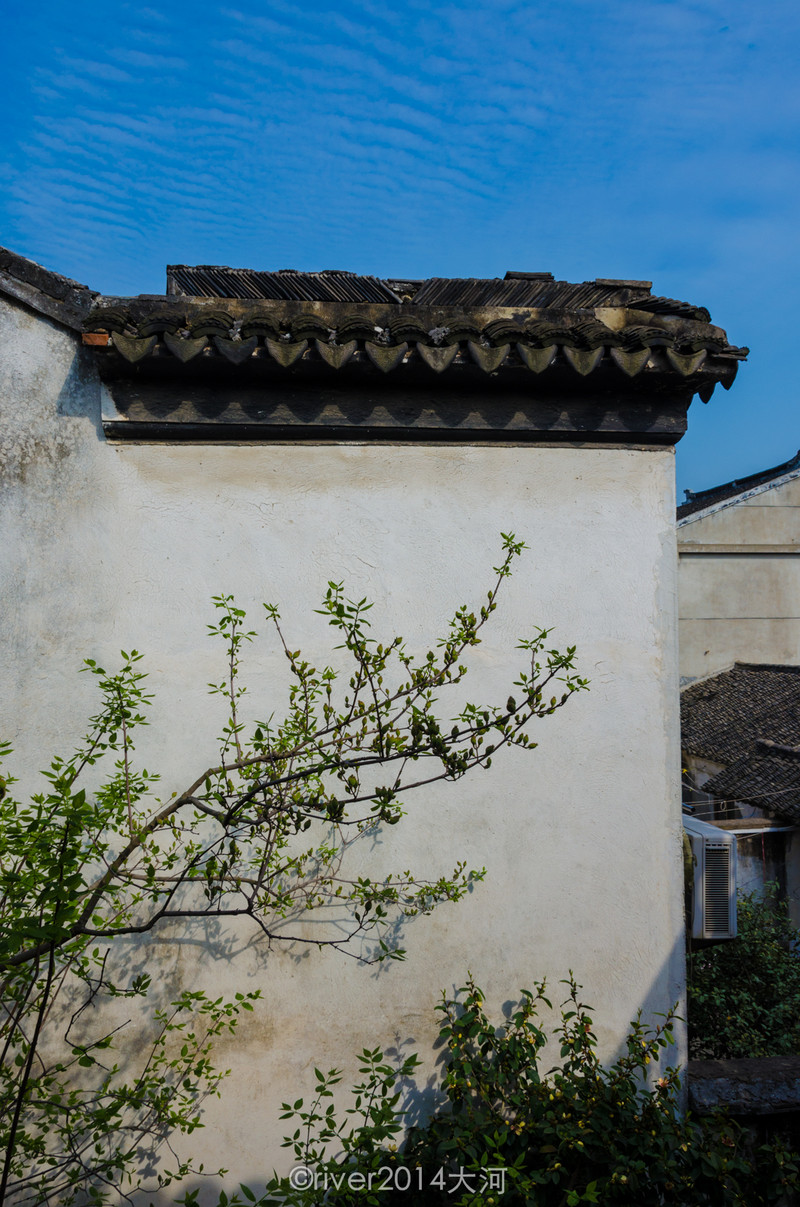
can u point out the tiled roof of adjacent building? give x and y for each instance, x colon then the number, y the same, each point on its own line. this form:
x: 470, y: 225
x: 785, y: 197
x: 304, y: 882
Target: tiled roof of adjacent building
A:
x: 723, y: 717
x: 701, y: 499
x: 767, y: 776
x: 747, y: 718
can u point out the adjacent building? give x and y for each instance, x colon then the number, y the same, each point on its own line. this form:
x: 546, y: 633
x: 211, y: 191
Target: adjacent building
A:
x: 739, y: 574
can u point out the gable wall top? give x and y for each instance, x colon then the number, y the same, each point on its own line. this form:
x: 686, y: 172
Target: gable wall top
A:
x: 268, y: 355
x: 239, y: 354
x: 47, y: 292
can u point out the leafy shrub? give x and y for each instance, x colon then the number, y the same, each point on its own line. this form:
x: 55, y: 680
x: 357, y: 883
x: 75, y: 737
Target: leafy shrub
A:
x: 511, y: 1135
x: 744, y: 994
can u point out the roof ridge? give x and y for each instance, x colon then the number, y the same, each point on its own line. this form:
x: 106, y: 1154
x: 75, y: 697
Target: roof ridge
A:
x: 697, y: 500
x: 777, y: 749
x: 765, y: 666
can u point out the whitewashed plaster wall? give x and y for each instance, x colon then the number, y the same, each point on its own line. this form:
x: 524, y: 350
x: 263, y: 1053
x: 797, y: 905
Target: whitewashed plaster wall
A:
x: 105, y: 546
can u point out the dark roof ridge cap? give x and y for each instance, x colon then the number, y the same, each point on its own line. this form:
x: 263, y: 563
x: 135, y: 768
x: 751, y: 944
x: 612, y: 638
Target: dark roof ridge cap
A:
x: 624, y: 283
x: 47, y: 292
x: 777, y: 749
x: 766, y: 666
x: 707, y: 680
x: 655, y: 304
x: 776, y: 470
x: 701, y: 679
x: 18, y: 265
x: 697, y: 500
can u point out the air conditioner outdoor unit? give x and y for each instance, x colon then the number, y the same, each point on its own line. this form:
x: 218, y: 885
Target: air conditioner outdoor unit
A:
x: 714, y: 896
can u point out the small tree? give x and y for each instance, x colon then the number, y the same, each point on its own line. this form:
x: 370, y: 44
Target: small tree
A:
x: 261, y: 833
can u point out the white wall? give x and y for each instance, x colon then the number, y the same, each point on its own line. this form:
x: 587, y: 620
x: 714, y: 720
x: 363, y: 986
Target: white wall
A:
x: 106, y: 546
x: 739, y: 583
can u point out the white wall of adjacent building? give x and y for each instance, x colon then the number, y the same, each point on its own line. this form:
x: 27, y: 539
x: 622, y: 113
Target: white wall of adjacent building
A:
x: 739, y: 582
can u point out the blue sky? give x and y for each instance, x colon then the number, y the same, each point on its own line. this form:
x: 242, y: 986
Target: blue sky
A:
x: 654, y: 140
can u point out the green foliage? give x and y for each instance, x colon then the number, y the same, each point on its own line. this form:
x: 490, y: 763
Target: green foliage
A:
x: 85, y: 1126
x: 95, y: 862
x: 744, y: 995
x: 579, y: 1133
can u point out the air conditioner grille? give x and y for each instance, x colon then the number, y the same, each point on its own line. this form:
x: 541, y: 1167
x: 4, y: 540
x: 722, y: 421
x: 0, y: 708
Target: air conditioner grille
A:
x: 717, y: 891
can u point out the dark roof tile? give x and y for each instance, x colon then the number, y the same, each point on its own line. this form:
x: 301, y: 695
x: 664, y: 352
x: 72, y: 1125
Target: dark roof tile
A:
x: 331, y: 285
x: 722, y: 718
x: 528, y: 289
x: 672, y: 306
x: 768, y: 777
x: 538, y: 291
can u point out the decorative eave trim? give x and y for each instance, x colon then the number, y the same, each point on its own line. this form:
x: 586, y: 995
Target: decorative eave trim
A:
x: 333, y: 370
x: 195, y: 325
x: 704, y: 368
